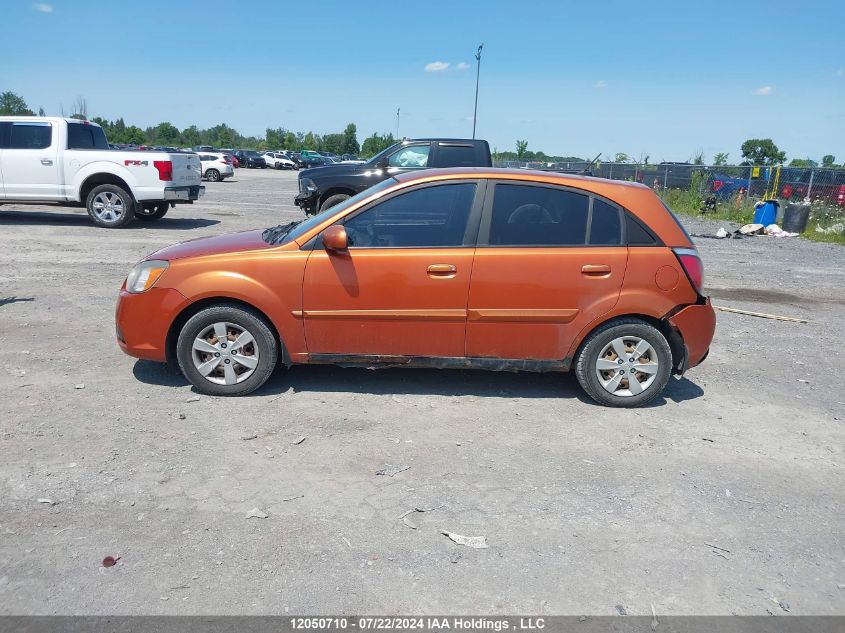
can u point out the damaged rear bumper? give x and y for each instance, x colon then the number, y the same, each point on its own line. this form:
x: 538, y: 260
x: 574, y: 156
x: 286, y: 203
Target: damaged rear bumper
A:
x: 696, y: 325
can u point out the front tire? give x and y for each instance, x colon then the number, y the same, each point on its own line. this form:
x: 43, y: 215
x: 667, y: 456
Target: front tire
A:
x: 110, y: 206
x: 333, y: 200
x: 150, y: 213
x: 212, y: 175
x: 624, y: 363
x: 227, y: 350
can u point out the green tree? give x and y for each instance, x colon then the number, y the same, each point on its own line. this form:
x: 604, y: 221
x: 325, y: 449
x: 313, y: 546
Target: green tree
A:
x: 309, y: 141
x: 333, y: 143
x: 165, y: 133
x: 828, y: 160
x: 521, y: 147
x: 134, y: 135
x: 13, y: 104
x: 698, y: 159
x: 191, y: 136
x: 621, y: 157
x: 290, y: 141
x: 721, y: 158
x: 274, y: 138
x: 763, y: 151
x: 803, y: 162
x: 350, y: 140
x: 41, y: 112
x: 376, y: 143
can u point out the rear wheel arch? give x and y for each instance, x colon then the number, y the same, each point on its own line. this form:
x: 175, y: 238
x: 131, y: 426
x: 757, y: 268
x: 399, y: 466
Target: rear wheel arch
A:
x: 102, y: 178
x: 198, y: 306
x: 673, y: 337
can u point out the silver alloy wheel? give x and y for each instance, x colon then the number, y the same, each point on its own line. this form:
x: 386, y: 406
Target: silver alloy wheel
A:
x: 627, y: 366
x: 108, y: 206
x: 225, y: 353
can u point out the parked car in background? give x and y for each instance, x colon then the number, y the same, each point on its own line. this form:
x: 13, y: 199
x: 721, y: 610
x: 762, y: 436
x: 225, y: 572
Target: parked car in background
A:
x: 351, y: 158
x: 319, y: 189
x: 278, y: 160
x: 216, y: 166
x: 68, y: 161
x: 429, y: 269
x: 309, y: 158
x: 250, y: 158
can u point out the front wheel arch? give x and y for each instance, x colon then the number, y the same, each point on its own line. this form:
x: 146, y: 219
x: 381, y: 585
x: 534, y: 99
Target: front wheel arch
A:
x: 197, y: 306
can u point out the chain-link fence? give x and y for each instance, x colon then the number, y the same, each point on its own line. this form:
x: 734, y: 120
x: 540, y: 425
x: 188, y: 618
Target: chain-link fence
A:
x: 822, y: 186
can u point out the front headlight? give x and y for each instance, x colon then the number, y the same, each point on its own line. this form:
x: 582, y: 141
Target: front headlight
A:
x: 306, y: 185
x: 145, y: 275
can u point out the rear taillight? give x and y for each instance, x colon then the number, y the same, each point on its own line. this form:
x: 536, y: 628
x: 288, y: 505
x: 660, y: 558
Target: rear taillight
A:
x: 692, y: 266
x: 165, y: 169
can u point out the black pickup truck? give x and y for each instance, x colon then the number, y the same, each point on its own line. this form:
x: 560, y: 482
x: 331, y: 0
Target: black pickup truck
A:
x: 323, y: 187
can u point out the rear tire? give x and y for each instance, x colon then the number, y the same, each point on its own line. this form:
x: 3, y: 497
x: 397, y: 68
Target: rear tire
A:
x: 611, y: 382
x: 212, y: 175
x: 333, y: 200
x: 110, y: 206
x: 230, y: 376
x: 152, y: 213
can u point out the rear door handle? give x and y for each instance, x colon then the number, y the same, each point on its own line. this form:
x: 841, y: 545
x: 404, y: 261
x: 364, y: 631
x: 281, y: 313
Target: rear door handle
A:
x: 442, y: 270
x: 595, y: 270
x: 46, y: 161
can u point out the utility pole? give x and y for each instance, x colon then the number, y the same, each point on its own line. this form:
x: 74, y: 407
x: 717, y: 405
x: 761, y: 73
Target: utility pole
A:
x: 477, y: 75
x: 397, y: 123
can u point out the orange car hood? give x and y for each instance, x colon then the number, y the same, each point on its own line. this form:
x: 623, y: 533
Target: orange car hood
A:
x: 229, y: 243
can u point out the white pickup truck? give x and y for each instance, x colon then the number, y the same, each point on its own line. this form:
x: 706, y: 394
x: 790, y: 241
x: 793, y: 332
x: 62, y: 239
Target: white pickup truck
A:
x: 68, y: 161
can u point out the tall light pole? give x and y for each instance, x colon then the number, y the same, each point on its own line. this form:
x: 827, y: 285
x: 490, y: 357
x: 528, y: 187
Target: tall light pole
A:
x: 477, y: 75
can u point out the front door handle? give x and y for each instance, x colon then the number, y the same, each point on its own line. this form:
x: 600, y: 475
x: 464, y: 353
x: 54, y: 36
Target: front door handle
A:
x: 442, y: 270
x: 46, y: 162
x: 595, y: 270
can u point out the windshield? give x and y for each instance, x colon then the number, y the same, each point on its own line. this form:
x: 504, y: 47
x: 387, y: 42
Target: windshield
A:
x: 250, y: 152
x: 306, y: 225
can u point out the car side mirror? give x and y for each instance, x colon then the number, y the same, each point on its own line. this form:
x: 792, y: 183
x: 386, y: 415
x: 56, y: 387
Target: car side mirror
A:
x: 335, y: 238
x: 382, y: 164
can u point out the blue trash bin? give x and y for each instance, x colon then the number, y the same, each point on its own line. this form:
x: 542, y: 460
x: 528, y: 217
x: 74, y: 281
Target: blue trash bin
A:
x: 766, y: 212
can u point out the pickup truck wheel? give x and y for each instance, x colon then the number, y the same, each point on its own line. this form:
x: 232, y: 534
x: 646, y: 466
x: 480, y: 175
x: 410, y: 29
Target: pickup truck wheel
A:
x: 110, y: 206
x: 149, y: 213
x: 226, y: 350
x: 333, y: 200
x: 212, y: 175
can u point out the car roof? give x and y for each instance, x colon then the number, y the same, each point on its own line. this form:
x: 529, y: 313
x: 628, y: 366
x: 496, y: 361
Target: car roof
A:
x: 575, y: 180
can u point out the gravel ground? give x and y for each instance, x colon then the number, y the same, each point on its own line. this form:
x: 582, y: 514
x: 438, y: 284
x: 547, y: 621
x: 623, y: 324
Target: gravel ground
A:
x: 724, y: 497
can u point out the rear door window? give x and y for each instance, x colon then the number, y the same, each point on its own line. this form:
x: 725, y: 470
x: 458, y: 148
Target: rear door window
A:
x: 81, y: 136
x: 456, y: 155
x: 605, y: 224
x: 30, y: 135
x: 526, y: 215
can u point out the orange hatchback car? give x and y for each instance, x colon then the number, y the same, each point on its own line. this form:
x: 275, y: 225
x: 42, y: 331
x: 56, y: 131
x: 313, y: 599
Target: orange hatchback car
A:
x: 456, y: 268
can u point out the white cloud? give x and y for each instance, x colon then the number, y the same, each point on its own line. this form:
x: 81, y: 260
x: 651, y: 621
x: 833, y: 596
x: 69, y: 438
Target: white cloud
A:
x: 43, y: 8
x: 464, y: 66
x: 601, y: 83
x: 436, y: 67
x: 764, y: 91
